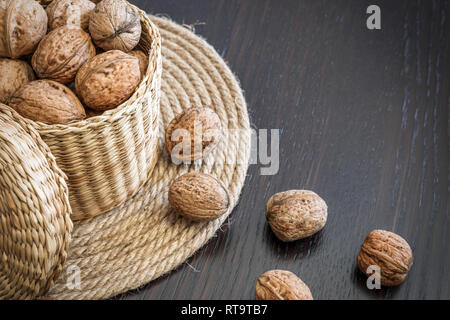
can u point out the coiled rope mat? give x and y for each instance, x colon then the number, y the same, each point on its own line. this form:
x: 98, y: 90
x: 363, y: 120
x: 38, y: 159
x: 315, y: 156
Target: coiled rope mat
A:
x: 143, y: 239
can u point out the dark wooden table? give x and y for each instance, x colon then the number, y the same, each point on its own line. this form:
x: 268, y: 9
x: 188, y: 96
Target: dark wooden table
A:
x: 363, y: 119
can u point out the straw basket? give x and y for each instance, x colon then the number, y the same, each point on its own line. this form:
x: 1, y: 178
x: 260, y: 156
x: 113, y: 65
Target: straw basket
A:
x: 107, y: 158
x: 35, y: 225
x: 43, y: 255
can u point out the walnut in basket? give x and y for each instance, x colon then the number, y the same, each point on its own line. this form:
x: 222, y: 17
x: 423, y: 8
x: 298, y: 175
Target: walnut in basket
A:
x: 115, y: 25
x: 47, y: 101
x: 14, y: 74
x: 61, y: 53
x: 143, y: 60
x: 23, y: 23
x: 69, y: 12
x: 107, y: 80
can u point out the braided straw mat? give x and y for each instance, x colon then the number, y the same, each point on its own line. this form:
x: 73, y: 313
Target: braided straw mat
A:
x: 143, y: 239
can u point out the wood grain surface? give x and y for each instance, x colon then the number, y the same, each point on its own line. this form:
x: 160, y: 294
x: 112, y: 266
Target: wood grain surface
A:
x: 363, y: 119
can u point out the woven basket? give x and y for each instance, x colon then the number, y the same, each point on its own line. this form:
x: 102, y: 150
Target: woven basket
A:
x: 35, y: 224
x: 139, y: 240
x: 107, y: 158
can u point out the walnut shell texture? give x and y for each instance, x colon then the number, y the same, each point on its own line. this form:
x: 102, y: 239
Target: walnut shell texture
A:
x: 14, y: 74
x: 47, y: 101
x: 115, y: 25
x: 23, y: 23
x: 107, y: 80
x: 61, y: 53
x: 390, y: 252
x: 281, y: 285
x: 199, y: 196
x: 296, y: 214
x: 143, y: 60
x: 69, y: 12
x: 202, y: 129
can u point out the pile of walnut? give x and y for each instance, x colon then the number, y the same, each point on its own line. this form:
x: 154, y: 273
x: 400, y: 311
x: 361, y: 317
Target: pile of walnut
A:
x: 70, y: 44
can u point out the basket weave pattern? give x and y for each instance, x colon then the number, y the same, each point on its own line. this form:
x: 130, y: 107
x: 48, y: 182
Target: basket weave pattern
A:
x: 35, y: 225
x: 108, y: 158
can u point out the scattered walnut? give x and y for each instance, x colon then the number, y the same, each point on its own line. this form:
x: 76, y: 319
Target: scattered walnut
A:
x: 281, y: 285
x: 61, y: 53
x: 296, y: 214
x: 200, y: 131
x: 199, y: 196
x: 23, y: 23
x: 107, y: 80
x: 115, y: 25
x: 390, y: 252
x: 14, y: 74
x: 48, y: 102
x: 69, y: 12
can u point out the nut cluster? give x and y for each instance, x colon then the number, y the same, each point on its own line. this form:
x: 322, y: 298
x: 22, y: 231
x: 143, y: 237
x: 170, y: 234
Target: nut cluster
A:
x: 23, y: 23
x: 73, y: 47
x: 193, y: 134
x: 15, y: 73
x: 281, y: 285
x: 199, y: 196
x: 107, y: 80
x: 296, y: 214
x: 67, y: 56
x: 69, y: 12
x: 388, y: 251
x: 47, y: 101
x: 143, y: 60
x: 121, y: 32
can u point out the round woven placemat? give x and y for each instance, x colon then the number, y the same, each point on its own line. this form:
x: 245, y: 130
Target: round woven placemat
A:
x: 143, y: 239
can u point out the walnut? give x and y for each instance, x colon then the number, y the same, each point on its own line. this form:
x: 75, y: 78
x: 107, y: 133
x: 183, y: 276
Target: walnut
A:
x: 199, y: 196
x: 193, y: 134
x: 296, y: 214
x: 14, y: 74
x: 69, y: 12
x: 107, y: 80
x: 281, y: 285
x: 23, y: 23
x: 48, y: 102
x: 61, y: 53
x: 115, y: 25
x: 143, y: 60
x: 390, y: 252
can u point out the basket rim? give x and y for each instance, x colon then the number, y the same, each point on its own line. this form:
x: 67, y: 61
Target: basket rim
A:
x: 124, y: 108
